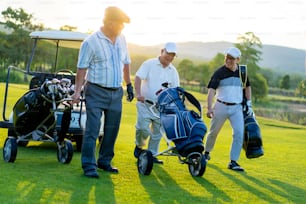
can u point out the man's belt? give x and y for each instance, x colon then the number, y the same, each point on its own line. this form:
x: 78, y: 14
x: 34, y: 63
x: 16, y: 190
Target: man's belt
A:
x: 226, y: 103
x: 106, y: 88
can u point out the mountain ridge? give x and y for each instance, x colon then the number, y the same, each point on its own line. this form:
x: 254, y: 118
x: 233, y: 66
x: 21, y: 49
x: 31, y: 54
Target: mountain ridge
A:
x: 279, y: 58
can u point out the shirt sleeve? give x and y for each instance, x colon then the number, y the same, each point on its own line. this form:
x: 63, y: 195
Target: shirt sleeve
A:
x: 143, y: 70
x: 85, y: 55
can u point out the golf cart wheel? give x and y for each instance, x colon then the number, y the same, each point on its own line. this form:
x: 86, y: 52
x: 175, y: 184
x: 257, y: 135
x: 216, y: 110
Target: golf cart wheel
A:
x: 10, y: 149
x: 197, y: 165
x: 64, y: 152
x: 145, y: 162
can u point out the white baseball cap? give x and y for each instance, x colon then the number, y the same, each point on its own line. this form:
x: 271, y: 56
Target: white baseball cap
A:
x: 171, y: 47
x: 233, y: 51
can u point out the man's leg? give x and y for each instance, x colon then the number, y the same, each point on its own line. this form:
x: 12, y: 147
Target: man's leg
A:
x: 237, y: 123
x: 112, y: 119
x: 216, y: 123
x: 89, y: 139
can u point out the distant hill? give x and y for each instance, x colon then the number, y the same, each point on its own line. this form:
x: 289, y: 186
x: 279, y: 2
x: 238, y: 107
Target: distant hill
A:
x: 278, y: 58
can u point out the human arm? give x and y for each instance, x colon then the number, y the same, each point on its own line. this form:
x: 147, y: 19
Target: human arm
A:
x: 137, y: 85
x: 210, y: 96
x: 248, y: 96
x: 79, y: 82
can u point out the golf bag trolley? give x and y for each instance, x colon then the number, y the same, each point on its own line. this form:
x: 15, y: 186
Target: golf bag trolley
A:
x: 184, y: 128
x: 43, y: 112
x: 35, y: 117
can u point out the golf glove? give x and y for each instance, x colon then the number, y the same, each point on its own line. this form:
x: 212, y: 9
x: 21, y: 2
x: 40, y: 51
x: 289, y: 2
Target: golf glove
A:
x: 130, y: 93
x: 249, y: 107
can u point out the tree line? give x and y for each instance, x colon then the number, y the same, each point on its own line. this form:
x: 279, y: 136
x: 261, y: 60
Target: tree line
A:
x: 15, y: 49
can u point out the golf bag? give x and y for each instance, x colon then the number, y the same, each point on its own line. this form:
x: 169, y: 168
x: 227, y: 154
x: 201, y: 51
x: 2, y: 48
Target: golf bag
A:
x: 182, y: 126
x: 33, y: 109
x: 252, y: 143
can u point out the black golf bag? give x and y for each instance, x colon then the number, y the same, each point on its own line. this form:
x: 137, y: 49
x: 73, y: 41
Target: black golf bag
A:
x: 252, y: 143
x: 182, y: 126
x: 33, y: 109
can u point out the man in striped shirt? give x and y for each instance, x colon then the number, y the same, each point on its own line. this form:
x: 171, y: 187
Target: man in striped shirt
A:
x: 103, y: 63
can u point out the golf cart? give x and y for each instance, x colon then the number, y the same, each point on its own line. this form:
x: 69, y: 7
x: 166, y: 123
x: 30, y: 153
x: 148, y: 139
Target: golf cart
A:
x: 44, y: 113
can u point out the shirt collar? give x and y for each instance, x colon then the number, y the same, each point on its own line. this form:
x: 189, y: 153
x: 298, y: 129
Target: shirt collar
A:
x: 170, y: 66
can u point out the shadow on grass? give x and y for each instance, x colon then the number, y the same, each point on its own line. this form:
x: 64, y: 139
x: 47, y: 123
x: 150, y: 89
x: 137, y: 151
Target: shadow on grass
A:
x: 67, y: 181
x: 95, y: 190
x: 217, y: 194
x: 163, y: 189
x: 286, y: 194
x: 282, y: 126
x: 249, y: 187
x: 290, y: 192
x: 45, y: 146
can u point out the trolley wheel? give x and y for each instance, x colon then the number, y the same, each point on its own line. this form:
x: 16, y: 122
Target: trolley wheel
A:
x: 197, y: 165
x: 145, y: 162
x: 10, y: 149
x: 64, y: 151
x: 11, y: 133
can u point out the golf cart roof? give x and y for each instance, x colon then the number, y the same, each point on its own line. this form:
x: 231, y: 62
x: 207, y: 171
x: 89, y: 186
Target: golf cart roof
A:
x: 69, y: 39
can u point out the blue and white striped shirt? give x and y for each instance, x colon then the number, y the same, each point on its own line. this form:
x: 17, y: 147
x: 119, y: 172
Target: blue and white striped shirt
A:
x: 104, y: 60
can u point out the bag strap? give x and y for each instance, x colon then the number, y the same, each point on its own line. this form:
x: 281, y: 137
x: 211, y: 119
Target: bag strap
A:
x: 243, y: 74
x: 191, y: 99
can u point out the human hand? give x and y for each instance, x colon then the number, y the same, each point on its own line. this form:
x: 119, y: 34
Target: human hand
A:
x: 140, y: 98
x: 75, y: 98
x: 130, y: 93
x: 249, y: 108
x: 210, y: 113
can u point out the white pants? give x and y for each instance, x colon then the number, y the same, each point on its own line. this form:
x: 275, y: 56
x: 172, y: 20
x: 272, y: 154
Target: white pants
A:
x: 148, y: 125
x: 235, y: 116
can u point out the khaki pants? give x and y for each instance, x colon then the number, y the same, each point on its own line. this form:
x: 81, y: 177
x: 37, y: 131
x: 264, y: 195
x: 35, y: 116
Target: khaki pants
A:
x: 148, y: 126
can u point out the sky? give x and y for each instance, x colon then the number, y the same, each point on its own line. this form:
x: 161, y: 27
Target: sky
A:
x: 274, y: 22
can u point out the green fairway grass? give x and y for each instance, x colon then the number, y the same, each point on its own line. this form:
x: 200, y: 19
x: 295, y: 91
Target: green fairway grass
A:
x: 277, y: 177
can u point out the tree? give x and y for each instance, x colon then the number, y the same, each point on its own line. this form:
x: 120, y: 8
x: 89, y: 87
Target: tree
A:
x: 259, y: 87
x: 285, y: 82
x: 301, y: 89
x: 216, y: 62
x: 295, y: 79
x: 19, y: 23
x: 186, y: 70
x: 250, y: 46
x: 271, y: 76
x: 203, y: 74
x: 3, y: 51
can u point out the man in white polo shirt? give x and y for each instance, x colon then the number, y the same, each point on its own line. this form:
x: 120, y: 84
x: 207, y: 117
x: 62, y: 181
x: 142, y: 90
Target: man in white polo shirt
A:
x: 149, y: 79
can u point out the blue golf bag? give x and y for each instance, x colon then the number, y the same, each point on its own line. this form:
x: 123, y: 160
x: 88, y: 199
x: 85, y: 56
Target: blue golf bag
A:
x: 182, y: 126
